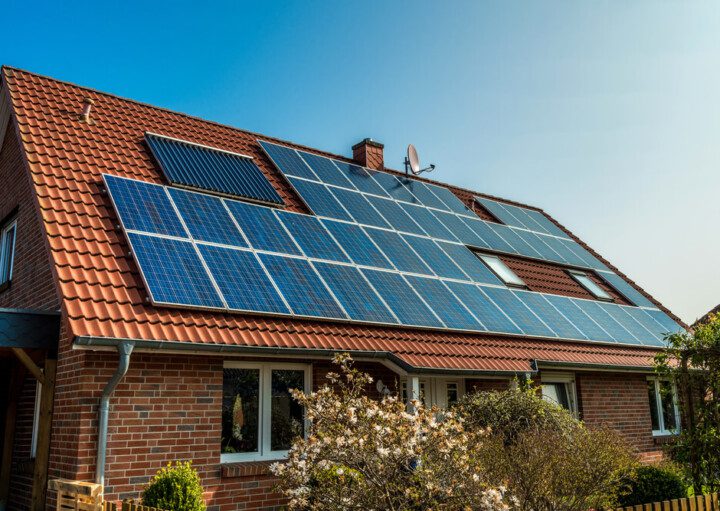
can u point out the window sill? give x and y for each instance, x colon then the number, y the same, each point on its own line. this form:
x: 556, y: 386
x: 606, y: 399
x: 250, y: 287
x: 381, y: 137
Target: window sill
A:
x: 246, y: 469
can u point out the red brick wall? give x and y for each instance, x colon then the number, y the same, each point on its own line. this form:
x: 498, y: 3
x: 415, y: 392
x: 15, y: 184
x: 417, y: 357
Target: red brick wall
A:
x: 21, y: 476
x: 489, y: 385
x: 619, y: 400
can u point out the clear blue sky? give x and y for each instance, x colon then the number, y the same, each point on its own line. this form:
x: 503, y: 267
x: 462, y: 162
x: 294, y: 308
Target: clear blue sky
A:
x: 607, y: 114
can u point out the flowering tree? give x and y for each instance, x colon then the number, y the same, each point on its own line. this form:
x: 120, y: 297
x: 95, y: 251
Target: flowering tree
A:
x: 373, y: 455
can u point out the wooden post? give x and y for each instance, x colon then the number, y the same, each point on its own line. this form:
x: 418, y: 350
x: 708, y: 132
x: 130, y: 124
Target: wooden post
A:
x: 42, y: 452
x: 17, y: 376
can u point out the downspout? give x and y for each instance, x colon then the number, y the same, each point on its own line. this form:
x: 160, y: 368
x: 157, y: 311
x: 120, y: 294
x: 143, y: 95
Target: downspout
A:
x: 124, y: 349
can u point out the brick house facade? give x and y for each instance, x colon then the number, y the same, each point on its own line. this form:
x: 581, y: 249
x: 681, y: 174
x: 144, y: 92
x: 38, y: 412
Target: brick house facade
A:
x: 71, y: 257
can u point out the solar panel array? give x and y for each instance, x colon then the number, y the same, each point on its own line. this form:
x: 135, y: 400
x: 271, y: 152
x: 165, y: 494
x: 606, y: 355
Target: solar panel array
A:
x: 197, y: 166
x: 343, y: 191
x: 203, y: 251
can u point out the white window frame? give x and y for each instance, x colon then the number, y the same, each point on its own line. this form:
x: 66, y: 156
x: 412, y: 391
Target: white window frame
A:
x: 435, y: 390
x: 6, y: 266
x: 591, y: 287
x: 36, y: 420
x: 566, y: 379
x: 502, y: 270
x: 265, y: 407
x: 663, y: 431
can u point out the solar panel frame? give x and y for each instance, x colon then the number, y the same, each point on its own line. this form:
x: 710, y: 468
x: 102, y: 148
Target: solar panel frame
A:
x: 357, y: 244
x: 434, y: 257
x: 423, y: 194
x: 500, y: 211
x: 469, y: 263
x: 425, y: 218
x: 312, y: 237
x: 262, y: 228
x: 407, y: 305
x: 319, y: 199
x: 361, y: 177
x: 395, y: 215
x: 359, y: 208
x: 326, y: 170
x: 460, y: 229
x: 241, y: 288
x: 543, y: 309
x: 548, y: 224
x: 516, y: 310
x: 646, y: 321
x: 359, y: 299
x: 638, y: 331
x: 492, y: 239
x: 485, y: 310
x: 145, y: 215
x: 589, y: 327
x: 395, y: 188
x: 664, y: 320
x: 450, y: 200
x: 444, y: 303
x: 166, y: 267
x: 625, y: 289
x: 302, y: 287
x: 397, y: 251
x: 208, y: 168
x: 606, y: 321
x: 206, y: 218
x: 288, y: 161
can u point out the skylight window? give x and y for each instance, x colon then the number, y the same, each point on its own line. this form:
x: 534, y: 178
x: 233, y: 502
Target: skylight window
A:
x: 501, y: 270
x: 590, y: 286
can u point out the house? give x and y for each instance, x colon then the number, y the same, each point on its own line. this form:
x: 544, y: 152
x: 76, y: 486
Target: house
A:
x: 705, y: 317
x: 165, y: 282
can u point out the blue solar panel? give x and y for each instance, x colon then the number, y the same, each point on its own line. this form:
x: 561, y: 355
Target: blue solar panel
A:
x: 429, y: 222
x: 359, y: 208
x: 444, y: 303
x: 301, y: 287
x: 449, y: 199
x: 492, y: 239
x: 312, y: 237
x: 435, y: 258
x: 487, y: 312
x: 394, y: 187
x: 361, y: 177
x: 606, y: 321
x: 399, y: 252
x: 357, y: 244
x: 288, y: 161
x: 548, y: 224
x: 561, y: 248
x: 538, y: 245
x: 319, y: 199
x: 423, y: 194
x: 628, y: 323
x: 587, y: 326
x: 460, y: 229
x: 499, y: 211
x: 528, y: 220
x: 395, y: 215
x: 590, y: 260
x: 206, y: 218
x: 645, y: 320
x: 469, y: 263
x: 667, y: 324
x: 402, y: 299
x: 513, y: 238
x: 242, y: 280
x: 358, y: 299
x: 518, y: 312
x: 626, y: 289
x: 173, y: 272
x: 188, y: 164
x: 326, y: 170
x: 549, y: 314
x: 144, y: 207
x: 262, y: 228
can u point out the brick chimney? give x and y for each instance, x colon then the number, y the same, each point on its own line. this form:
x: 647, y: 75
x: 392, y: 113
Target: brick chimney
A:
x: 369, y: 153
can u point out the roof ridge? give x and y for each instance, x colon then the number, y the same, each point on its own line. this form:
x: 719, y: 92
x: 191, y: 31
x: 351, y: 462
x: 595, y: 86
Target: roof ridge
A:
x: 6, y: 68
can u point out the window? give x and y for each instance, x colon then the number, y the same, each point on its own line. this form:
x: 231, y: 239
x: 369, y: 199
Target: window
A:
x: 436, y: 392
x: 36, y: 419
x: 664, y: 411
x: 560, y: 389
x: 501, y: 270
x: 260, y: 419
x: 590, y: 286
x: 7, y: 250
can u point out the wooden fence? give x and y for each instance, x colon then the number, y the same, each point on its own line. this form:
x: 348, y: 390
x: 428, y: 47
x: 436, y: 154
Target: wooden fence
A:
x: 697, y: 503
x: 82, y: 496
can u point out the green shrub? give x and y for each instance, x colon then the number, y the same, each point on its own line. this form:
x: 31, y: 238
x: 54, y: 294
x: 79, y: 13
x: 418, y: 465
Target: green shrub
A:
x: 654, y: 483
x: 175, y: 488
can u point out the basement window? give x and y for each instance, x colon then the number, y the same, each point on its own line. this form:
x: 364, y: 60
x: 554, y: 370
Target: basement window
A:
x: 664, y: 410
x: 590, y: 286
x: 502, y: 270
x: 260, y: 419
x: 7, y: 251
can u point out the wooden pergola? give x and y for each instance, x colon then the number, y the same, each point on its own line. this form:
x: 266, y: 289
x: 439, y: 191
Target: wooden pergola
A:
x: 28, y: 346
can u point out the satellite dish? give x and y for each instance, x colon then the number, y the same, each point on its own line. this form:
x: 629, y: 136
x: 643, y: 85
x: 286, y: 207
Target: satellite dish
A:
x: 412, y: 162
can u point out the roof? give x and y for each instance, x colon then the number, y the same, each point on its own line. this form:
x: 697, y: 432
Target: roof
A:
x: 100, y: 286
x: 706, y: 316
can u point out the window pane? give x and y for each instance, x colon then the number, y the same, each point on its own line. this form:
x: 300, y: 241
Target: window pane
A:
x: 556, y: 393
x: 452, y: 394
x: 8, y: 243
x: 668, y: 405
x: 585, y: 281
x: 652, y: 396
x: 241, y: 391
x: 502, y: 270
x: 287, y: 421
